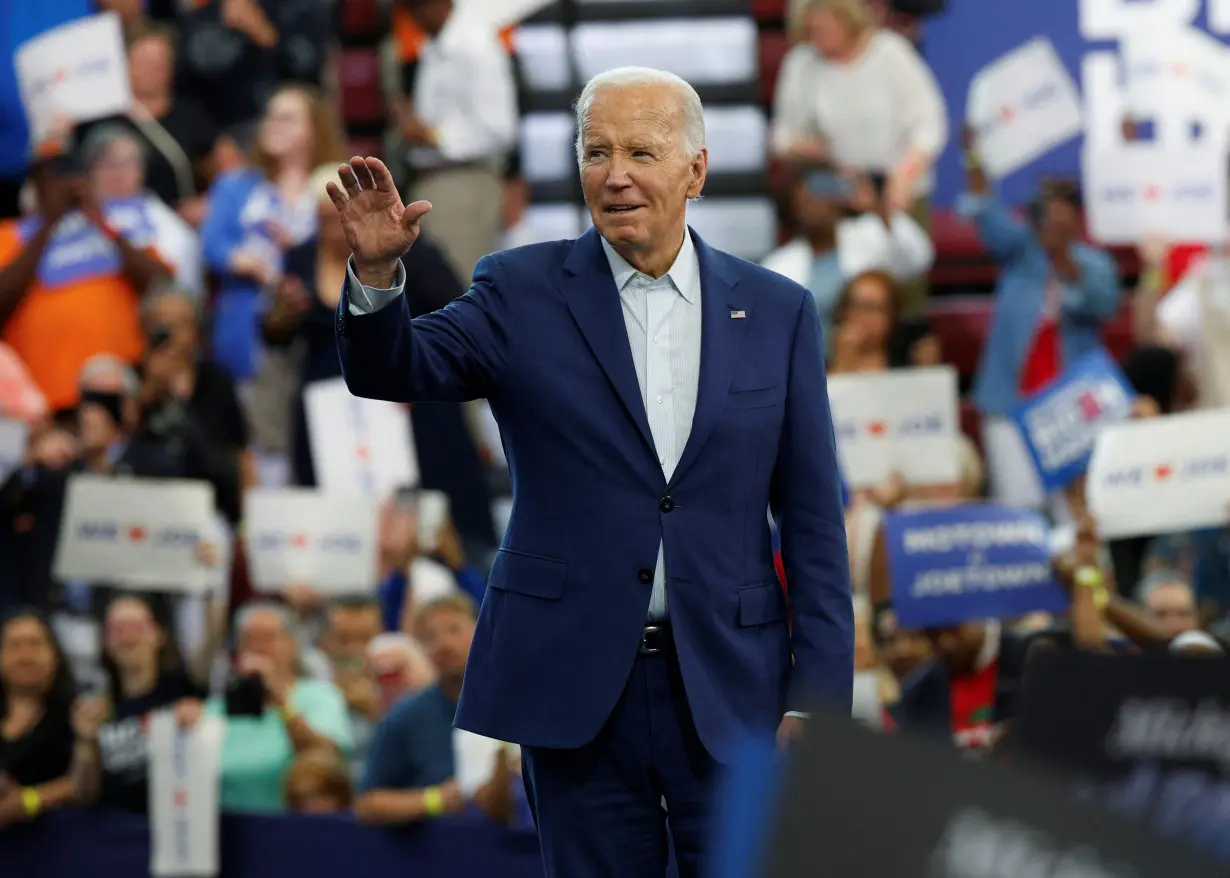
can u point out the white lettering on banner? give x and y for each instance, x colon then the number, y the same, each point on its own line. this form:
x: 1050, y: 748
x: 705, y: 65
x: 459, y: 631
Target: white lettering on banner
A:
x: 1165, y: 728
x: 963, y: 580
x: 977, y: 845
x: 974, y: 536
x: 1060, y: 428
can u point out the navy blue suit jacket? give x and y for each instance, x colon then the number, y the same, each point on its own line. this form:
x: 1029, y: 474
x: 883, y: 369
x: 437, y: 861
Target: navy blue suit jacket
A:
x: 541, y: 335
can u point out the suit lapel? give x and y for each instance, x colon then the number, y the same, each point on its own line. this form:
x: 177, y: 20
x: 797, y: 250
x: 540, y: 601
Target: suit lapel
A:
x: 720, y: 338
x: 589, y: 289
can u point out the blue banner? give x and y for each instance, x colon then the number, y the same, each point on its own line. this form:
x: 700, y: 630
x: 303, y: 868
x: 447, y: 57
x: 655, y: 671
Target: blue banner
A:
x: 963, y: 563
x: 1061, y: 423
x: 79, y: 250
x: 1086, y: 35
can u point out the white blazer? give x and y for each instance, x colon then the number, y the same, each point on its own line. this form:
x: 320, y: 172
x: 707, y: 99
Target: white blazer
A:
x: 864, y: 243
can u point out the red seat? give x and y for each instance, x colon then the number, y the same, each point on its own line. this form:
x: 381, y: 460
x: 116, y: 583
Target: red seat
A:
x: 359, y: 80
x: 773, y: 48
x: 366, y: 146
x: 769, y: 10
x: 971, y: 423
x: 360, y: 20
x: 960, y: 259
x: 961, y: 323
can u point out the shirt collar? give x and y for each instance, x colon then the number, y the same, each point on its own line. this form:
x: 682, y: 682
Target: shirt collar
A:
x: 684, y: 274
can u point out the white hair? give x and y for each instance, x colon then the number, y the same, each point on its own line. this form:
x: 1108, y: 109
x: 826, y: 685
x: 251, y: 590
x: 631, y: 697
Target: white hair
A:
x: 690, y: 107
x: 109, y: 364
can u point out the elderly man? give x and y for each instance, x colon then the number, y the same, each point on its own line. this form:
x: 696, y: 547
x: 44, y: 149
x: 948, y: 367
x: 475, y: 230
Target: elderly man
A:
x: 656, y: 398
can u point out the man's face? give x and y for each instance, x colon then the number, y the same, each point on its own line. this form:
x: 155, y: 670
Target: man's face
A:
x: 175, y: 318
x: 958, y: 647
x: 1174, y: 607
x: 634, y: 171
x: 446, y: 634
x: 350, y: 630
x: 150, y: 63
x: 97, y: 423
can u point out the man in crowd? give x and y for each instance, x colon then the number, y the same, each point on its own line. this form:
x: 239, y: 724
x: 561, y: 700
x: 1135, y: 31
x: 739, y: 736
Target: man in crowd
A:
x: 634, y: 628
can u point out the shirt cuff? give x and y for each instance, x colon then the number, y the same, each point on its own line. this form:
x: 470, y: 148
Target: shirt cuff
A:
x: 368, y: 300
x: 799, y: 714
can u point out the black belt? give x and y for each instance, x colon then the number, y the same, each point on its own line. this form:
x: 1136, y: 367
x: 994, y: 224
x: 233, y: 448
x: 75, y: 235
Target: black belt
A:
x: 656, y: 639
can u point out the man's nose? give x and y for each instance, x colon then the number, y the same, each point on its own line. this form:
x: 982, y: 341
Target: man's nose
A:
x: 617, y: 176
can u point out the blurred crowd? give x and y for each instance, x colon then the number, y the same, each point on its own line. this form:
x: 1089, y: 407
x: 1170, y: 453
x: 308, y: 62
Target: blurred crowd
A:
x: 168, y: 280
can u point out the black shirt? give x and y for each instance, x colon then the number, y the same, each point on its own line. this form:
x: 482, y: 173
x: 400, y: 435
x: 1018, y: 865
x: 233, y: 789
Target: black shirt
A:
x: 42, y: 754
x: 122, y: 743
x: 215, y: 408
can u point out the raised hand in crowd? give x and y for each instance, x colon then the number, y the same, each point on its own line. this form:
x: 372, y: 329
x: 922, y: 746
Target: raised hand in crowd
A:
x: 361, y: 692
x: 976, y: 180
x: 379, y: 228
x: 398, y: 535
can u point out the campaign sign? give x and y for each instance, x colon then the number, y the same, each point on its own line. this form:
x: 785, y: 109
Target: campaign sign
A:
x: 1161, y: 475
x: 962, y: 563
x: 950, y: 817
x: 1022, y: 106
x: 324, y: 541
x: 1139, y: 190
x: 1170, y: 67
x: 77, y: 71
x: 1060, y: 425
x: 1145, y: 735
x: 360, y: 446
x: 136, y: 533
x: 903, y: 422
x: 12, y: 446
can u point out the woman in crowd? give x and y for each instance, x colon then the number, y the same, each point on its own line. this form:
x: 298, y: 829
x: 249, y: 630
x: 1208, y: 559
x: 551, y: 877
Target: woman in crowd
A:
x: 298, y: 713
x: 144, y: 673
x: 36, y: 735
x: 869, y: 332
x: 860, y: 97
x: 116, y: 160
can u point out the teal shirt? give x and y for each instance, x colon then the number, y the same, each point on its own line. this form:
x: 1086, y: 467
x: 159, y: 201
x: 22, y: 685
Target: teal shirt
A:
x: 256, y: 752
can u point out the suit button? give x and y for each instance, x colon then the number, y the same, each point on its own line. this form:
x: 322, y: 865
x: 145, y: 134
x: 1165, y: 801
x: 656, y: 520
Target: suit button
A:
x: 645, y: 575
x: 666, y: 504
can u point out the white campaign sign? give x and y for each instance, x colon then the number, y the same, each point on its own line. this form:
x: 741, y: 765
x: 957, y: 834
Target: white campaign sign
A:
x: 77, y: 71
x: 322, y: 540
x: 474, y: 757
x: 1136, y: 191
x: 362, y: 446
x: 136, y: 533
x: 184, y: 768
x: 1161, y: 475
x: 1022, y: 106
x: 1176, y: 69
x: 13, y: 436
x: 903, y: 421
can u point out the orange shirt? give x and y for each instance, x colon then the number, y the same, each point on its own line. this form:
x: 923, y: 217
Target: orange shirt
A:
x: 410, y: 36
x: 79, y: 305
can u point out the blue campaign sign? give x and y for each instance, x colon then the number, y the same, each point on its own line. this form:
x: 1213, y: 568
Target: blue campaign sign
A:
x: 1086, y: 35
x: 1060, y: 424
x: 979, y: 561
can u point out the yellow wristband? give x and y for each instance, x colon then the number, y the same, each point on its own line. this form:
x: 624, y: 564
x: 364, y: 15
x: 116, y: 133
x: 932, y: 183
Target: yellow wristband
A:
x: 433, y: 801
x: 31, y: 801
x: 1091, y: 578
x: 286, y: 714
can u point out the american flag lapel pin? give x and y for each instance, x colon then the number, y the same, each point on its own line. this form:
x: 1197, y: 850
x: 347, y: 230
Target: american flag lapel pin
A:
x: 738, y: 315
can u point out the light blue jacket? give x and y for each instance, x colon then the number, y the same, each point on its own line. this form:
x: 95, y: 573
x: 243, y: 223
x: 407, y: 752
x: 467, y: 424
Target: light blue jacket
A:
x: 1020, y: 298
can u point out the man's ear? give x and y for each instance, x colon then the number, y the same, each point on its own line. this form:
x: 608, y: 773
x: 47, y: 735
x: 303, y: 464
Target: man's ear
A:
x: 700, y: 169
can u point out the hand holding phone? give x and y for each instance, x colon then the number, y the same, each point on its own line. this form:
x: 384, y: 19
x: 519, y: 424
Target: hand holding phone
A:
x: 433, y: 512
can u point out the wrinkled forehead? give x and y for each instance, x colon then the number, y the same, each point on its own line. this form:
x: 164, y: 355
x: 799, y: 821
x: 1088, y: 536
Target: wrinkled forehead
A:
x: 619, y: 113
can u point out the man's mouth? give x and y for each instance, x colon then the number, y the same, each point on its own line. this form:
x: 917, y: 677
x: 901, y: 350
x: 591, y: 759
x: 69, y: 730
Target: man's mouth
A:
x: 622, y: 208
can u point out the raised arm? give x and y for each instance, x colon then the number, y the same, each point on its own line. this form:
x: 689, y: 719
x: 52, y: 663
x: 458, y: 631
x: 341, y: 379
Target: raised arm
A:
x: 454, y: 354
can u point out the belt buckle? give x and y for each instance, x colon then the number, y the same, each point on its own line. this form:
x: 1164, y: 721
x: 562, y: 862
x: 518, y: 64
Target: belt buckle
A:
x: 646, y: 647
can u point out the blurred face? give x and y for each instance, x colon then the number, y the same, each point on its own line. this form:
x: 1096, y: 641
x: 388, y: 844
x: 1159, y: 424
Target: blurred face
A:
x: 813, y: 211
x: 431, y: 15
x: 446, y: 634
x: 329, y: 232
x: 264, y: 635
x: 350, y: 630
x: 174, y: 317
x: 133, y: 638
x: 1174, y: 607
x: 27, y: 658
x: 826, y: 32
x: 150, y: 63
x: 286, y: 128
x: 870, y: 307
x: 958, y: 647
x: 634, y: 171
x: 1060, y: 225
x: 98, y: 427
x: 120, y: 171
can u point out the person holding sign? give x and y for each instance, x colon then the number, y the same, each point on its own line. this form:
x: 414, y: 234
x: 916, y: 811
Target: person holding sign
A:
x: 654, y: 396
x: 1053, y: 295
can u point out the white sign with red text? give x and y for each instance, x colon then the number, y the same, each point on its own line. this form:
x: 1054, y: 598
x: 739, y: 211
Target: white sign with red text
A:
x: 1136, y: 191
x: 297, y: 536
x: 1022, y: 106
x: 75, y: 72
x: 359, y: 446
x: 1161, y: 475
x: 904, y: 421
x: 184, y: 772
x: 1169, y: 69
x: 137, y: 533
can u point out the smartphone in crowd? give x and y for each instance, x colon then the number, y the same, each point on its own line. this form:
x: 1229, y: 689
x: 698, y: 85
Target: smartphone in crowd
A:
x: 433, y: 509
